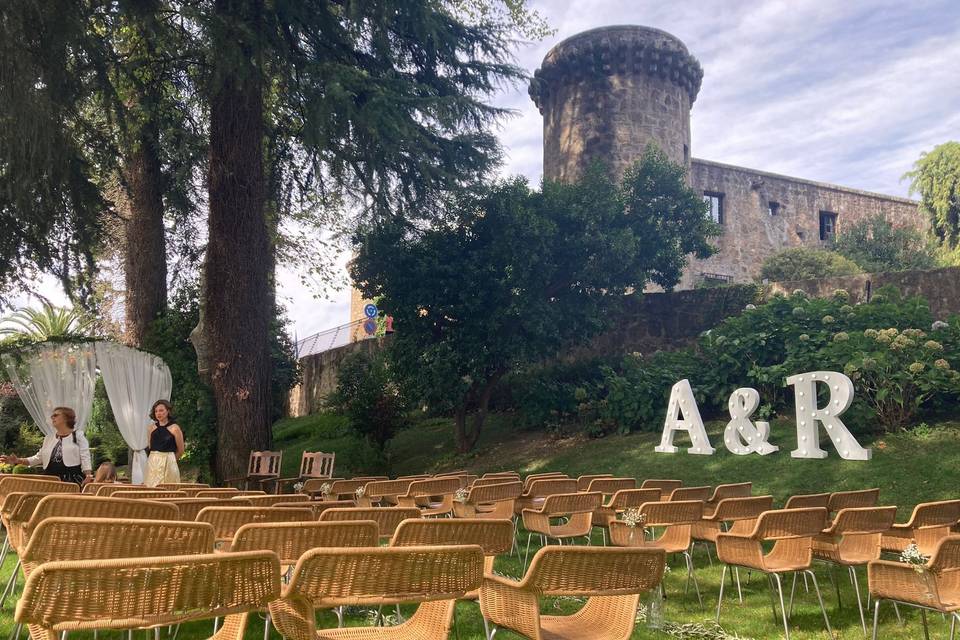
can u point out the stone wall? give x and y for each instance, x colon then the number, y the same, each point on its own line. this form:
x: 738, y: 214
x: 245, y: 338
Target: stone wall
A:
x: 319, y: 375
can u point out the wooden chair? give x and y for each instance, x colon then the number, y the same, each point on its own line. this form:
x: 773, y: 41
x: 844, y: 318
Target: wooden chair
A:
x: 136, y: 593
x: 226, y: 520
x: 929, y: 523
x: 491, y: 501
x: 934, y: 586
x: 853, y: 540
x: 263, y: 467
x: 424, y: 495
x: 387, y: 518
x: 611, y: 579
x: 575, y: 510
x: 609, y: 486
x: 435, y: 577
x: 724, y: 491
x: 792, y: 532
x: 313, y: 465
x: 620, y: 502
x: 583, y: 482
x: 808, y: 501
x: 676, y: 519
x: 666, y: 486
x: 686, y: 494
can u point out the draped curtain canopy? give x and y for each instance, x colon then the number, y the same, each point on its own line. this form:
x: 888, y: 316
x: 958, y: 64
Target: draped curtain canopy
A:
x: 65, y: 375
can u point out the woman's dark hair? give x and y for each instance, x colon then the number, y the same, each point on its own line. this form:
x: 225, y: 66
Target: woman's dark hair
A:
x: 68, y: 414
x: 165, y: 403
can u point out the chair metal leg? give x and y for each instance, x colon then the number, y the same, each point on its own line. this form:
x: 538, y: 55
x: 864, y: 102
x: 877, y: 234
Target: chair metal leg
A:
x: 692, y: 577
x: 816, y: 587
x: 16, y: 631
x: 773, y: 598
x: 6, y: 548
x: 793, y: 589
x: 926, y: 631
x: 603, y: 532
x: 783, y: 609
x: 876, y: 617
x: 11, y: 584
x: 266, y: 627
x: 736, y: 573
x: 953, y: 624
x: 526, y: 555
x: 338, y: 611
x: 806, y: 587
x: 489, y: 629
x: 836, y: 584
x: 856, y: 588
x: 723, y: 577
x: 896, y: 610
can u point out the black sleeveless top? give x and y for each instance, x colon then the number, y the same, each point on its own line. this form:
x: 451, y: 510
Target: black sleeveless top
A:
x: 162, y: 440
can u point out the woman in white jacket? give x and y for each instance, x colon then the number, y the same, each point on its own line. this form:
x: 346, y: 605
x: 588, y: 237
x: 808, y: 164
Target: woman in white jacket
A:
x: 64, y: 453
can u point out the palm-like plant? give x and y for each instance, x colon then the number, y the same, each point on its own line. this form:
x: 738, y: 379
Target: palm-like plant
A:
x: 49, y: 321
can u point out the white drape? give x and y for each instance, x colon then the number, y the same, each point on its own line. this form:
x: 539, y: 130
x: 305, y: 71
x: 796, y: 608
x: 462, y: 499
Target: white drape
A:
x: 134, y: 381
x: 55, y: 376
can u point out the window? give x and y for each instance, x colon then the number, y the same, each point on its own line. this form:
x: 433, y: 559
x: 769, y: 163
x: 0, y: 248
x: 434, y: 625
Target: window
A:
x: 715, y: 200
x: 828, y: 225
x: 773, y: 208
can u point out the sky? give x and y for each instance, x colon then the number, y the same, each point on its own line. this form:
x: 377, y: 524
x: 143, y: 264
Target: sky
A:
x: 848, y: 92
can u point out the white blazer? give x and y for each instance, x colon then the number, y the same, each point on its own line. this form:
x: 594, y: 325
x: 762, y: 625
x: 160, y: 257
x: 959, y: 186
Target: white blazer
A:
x: 73, y: 454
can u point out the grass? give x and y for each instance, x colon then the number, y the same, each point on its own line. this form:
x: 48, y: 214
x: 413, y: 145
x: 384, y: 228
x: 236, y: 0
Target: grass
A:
x: 908, y: 467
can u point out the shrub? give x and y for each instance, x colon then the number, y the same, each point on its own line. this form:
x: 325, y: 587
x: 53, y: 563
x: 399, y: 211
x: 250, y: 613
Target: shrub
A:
x: 802, y: 263
x: 368, y: 396
x: 877, y: 246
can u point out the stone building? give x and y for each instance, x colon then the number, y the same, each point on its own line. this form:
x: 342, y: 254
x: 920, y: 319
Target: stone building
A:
x: 605, y: 94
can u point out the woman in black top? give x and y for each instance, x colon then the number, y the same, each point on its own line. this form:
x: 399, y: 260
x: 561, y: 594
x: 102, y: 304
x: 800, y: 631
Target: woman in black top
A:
x: 166, y: 446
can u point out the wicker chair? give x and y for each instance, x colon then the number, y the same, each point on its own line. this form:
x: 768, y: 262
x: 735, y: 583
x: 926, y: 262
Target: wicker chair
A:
x: 313, y: 465
x: 423, y: 494
x: 226, y: 520
x: 929, y: 523
x: 190, y: 507
x: 290, y: 540
x: 620, y: 502
x: 537, y: 491
x: 326, y: 578
x: 383, y: 492
x: 147, y: 494
x: 734, y: 515
x: 91, y: 487
x: 533, y: 477
x: 583, y: 482
x: 934, y: 586
x: 792, y: 532
x: 513, y: 475
x: 319, y: 506
x: 338, y: 488
x: 271, y: 500
x: 107, y: 489
x: 575, y: 510
x: 263, y: 467
x: 666, y: 486
x: 853, y: 540
x: 686, y: 494
x: 609, y: 486
x: 136, y: 593
x: 808, y: 501
x: 180, y: 486
x: 483, y: 482
x: 853, y: 499
x: 611, y: 578
x: 724, y: 491
x: 221, y: 493
x: 492, y: 501
x: 387, y: 518
x: 677, y: 519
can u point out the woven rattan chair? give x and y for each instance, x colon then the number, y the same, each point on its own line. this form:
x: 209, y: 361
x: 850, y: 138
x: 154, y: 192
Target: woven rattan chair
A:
x: 853, y: 499
x: 575, y: 512
x: 319, y: 506
x: 792, y: 532
x: 226, y: 520
x: 435, y: 577
x: 620, y: 502
x: 224, y: 493
x: 135, y: 593
x: 313, y: 465
x: 434, y: 497
x: 513, y: 475
x: 611, y: 579
x: 180, y: 486
x: 609, y: 486
x: 387, y: 518
x: 724, y: 491
x: 666, y: 486
x: 483, y: 482
x: 271, y: 500
x: 493, y: 501
x: 533, y: 477
x: 734, y: 515
x: 808, y: 501
x: 537, y: 491
x: 190, y: 507
x: 383, y: 492
x: 853, y: 540
x: 686, y: 494
x: 339, y: 489
x: 107, y: 489
x: 148, y: 494
x: 934, y: 586
x: 929, y: 523
x: 583, y: 482
x: 91, y: 487
x: 290, y: 540
x: 675, y: 519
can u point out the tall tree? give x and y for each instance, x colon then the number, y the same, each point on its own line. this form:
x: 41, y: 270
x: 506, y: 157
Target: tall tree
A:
x: 936, y: 177
x: 517, y: 276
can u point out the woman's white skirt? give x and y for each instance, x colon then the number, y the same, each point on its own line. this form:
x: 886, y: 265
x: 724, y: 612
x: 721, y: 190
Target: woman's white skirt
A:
x: 161, y: 468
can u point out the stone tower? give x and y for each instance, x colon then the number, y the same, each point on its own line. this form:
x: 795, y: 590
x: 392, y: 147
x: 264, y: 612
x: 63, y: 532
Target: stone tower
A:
x: 606, y: 93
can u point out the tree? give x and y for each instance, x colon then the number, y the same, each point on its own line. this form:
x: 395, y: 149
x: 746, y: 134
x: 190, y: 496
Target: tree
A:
x: 514, y: 276
x: 936, y: 177
x: 803, y: 263
x: 49, y: 321
x: 367, y: 394
x: 877, y: 246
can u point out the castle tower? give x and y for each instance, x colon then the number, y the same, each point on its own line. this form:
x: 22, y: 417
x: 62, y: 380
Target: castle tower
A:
x: 606, y: 93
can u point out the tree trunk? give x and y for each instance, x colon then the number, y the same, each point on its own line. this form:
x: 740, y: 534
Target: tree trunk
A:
x: 237, y: 293
x: 467, y: 436
x: 145, y: 264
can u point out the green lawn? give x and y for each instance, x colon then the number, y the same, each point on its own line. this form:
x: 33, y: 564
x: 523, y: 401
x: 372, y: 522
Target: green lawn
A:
x: 908, y: 468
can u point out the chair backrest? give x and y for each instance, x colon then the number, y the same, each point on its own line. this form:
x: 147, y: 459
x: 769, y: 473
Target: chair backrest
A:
x: 147, y: 494
x: 583, y: 482
x: 290, y: 540
x: 632, y: 498
x: 271, y: 500
x: 75, y: 506
x: 493, y: 536
x: 501, y: 474
x: 25, y: 483
x: 319, y: 506
x: 387, y: 518
x: 737, y: 509
x: 946, y: 558
x: 132, y: 593
x: 785, y: 524
x: 734, y: 490
x: 609, y: 486
x: 853, y: 499
x: 533, y: 477
x: 190, y: 507
x: 180, y: 486
x: 316, y: 464
x: 109, y: 488
x: 264, y: 464
x: 675, y: 512
x: 666, y: 486
x: 595, y: 571
x: 936, y: 514
x: 571, y: 503
x: 482, y: 482
x: 226, y: 520
x: 226, y: 492
x: 433, y: 487
x: 57, y: 539
x: 808, y: 501
x: 683, y: 494
x: 495, y: 492
x: 337, y: 487
x: 380, y: 488
x: 863, y: 520
x: 550, y: 486
x: 416, y: 476
x: 386, y: 575
x: 34, y: 476
x: 91, y: 487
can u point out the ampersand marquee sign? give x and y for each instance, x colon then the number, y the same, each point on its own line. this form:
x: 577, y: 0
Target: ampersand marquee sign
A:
x: 743, y: 436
